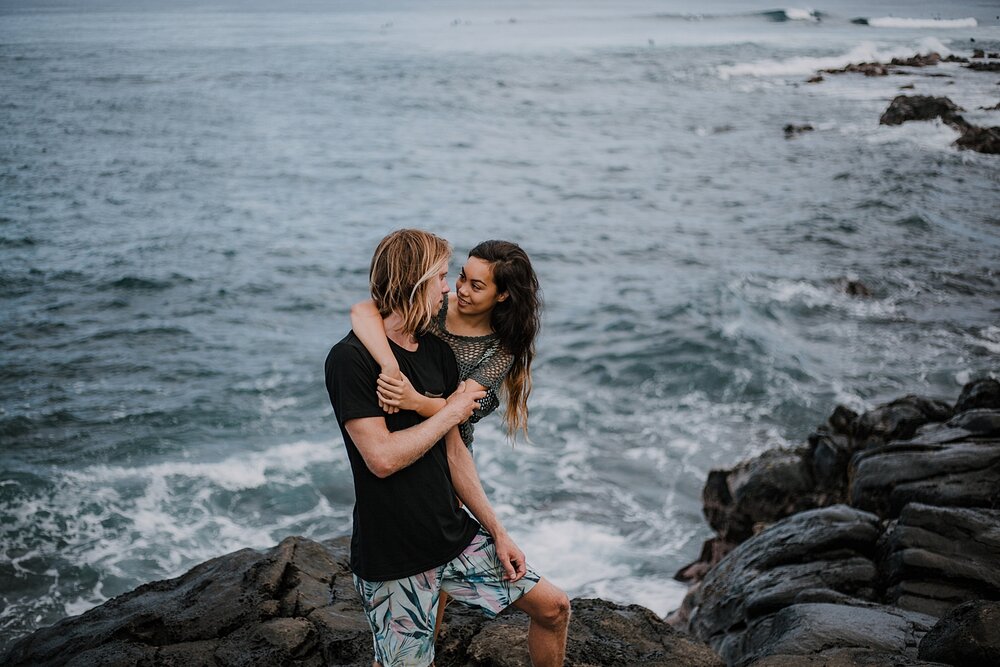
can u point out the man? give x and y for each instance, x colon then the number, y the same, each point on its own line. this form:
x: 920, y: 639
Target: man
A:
x: 411, y: 538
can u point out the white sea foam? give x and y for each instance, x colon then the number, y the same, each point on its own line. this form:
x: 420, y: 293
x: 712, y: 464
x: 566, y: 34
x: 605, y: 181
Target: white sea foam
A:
x: 797, y: 14
x: 902, y: 22
x: 801, y: 65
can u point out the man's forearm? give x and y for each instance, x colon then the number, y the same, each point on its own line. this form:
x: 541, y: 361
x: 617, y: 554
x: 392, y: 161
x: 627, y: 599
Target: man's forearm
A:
x: 403, y: 448
x: 468, y: 486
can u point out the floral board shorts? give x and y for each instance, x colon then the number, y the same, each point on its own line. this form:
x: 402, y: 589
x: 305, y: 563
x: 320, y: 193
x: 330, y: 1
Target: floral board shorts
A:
x: 402, y: 612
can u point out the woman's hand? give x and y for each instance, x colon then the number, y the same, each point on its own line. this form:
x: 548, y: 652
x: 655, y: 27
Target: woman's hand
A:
x: 398, y: 393
x: 393, y: 373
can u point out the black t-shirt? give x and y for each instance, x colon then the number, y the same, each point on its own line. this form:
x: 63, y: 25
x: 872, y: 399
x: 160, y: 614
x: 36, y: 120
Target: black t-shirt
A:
x: 410, y: 521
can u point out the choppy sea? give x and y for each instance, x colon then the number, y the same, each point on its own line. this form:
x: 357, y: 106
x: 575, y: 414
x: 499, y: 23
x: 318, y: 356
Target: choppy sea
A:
x: 190, y: 194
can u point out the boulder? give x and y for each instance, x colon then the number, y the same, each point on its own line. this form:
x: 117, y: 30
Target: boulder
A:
x: 969, y: 635
x: 293, y: 604
x: 990, y: 66
x: 822, y: 555
x: 980, y: 139
x: 804, y: 629
x: 757, y: 492
x: 601, y: 633
x: 934, y: 558
x: 984, y: 393
x: 963, y: 473
x: 904, y: 108
x: 845, y: 657
x: 897, y: 420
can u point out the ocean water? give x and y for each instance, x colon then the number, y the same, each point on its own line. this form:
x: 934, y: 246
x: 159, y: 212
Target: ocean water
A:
x: 189, y: 197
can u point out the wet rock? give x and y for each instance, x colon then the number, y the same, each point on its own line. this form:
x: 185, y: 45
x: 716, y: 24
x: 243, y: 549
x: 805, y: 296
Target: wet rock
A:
x: 794, y: 130
x: 965, y: 473
x: 293, y: 604
x: 816, y: 79
x: 852, y: 287
x: 904, y: 108
x: 929, y: 60
x: 934, y: 558
x: 955, y: 59
x: 898, y: 420
x: 822, y: 555
x: 978, y: 53
x: 980, y: 139
x: 868, y: 69
x: 983, y: 393
x: 601, y: 633
x: 969, y: 635
x: 989, y: 66
x: 846, y: 657
x: 758, y: 492
x: 803, y: 629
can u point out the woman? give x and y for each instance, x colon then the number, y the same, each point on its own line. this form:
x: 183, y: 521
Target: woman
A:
x: 490, y: 322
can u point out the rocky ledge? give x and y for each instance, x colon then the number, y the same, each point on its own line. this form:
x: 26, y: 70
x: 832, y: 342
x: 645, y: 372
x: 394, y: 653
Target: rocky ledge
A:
x: 295, y: 604
x: 877, y: 542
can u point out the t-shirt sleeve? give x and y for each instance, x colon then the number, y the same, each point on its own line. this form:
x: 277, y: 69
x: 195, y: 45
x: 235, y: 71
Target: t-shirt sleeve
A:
x: 491, y: 371
x: 351, y: 381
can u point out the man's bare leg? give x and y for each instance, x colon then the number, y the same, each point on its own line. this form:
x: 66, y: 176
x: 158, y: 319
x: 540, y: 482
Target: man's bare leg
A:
x: 442, y: 603
x: 548, y: 608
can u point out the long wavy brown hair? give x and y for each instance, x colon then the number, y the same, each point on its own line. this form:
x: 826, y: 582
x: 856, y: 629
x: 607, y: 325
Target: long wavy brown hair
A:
x: 402, y: 275
x: 516, y: 321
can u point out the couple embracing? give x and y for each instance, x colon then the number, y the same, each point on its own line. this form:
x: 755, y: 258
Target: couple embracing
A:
x: 419, y: 368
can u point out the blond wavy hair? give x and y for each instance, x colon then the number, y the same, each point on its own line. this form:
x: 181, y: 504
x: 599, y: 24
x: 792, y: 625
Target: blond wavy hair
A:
x: 402, y: 274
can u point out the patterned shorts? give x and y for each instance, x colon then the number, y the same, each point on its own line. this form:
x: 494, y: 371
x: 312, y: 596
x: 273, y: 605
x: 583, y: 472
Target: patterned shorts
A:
x: 402, y: 612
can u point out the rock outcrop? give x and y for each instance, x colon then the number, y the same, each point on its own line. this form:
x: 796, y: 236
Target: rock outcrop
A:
x: 847, y: 550
x: 295, y: 604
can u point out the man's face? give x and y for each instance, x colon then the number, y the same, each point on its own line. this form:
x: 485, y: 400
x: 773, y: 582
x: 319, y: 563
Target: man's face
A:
x: 438, y: 288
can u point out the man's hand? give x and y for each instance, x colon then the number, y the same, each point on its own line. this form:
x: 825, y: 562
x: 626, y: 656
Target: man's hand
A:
x: 464, y: 401
x: 511, y: 557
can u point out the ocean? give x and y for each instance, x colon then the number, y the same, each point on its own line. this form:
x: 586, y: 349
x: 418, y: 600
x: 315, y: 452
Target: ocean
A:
x: 190, y: 195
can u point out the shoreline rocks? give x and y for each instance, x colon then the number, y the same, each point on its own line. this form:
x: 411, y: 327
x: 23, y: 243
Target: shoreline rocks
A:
x: 853, y: 548
x: 295, y: 604
x: 919, y: 107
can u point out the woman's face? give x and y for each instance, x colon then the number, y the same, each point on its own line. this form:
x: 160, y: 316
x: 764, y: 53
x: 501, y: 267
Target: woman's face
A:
x: 477, y: 293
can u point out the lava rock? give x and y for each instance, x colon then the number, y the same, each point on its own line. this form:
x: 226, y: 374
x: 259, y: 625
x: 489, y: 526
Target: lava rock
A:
x: 969, y: 635
x: 984, y: 393
x: 897, y: 420
x: 953, y: 474
x: 904, y: 108
x: 822, y: 555
x: 934, y: 558
x: 868, y: 69
x: 932, y: 58
x: 845, y: 657
x: 293, y: 604
x: 793, y: 130
x: 980, y: 139
x: 758, y: 492
x: 990, y: 66
x: 803, y: 629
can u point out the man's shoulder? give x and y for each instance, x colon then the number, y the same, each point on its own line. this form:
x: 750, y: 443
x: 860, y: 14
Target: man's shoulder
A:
x: 349, y: 348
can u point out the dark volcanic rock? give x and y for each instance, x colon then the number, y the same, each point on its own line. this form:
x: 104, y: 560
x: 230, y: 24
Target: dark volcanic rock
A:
x: 969, y: 636
x: 601, y: 633
x: 759, y: 491
x: 991, y: 66
x: 868, y: 69
x: 293, y: 604
x: 980, y: 139
x: 296, y: 604
x: 792, y: 130
x: 934, y: 558
x: 932, y: 58
x: 822, y: 555
x: 802, y: 629
x: 845, y: 657
x: 983, y: 393
x: 897, y: 420
x: 905, y: 108
x: 952, y: 474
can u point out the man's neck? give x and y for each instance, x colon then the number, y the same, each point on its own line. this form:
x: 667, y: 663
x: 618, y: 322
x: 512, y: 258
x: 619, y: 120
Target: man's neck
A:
x: 393, y: 330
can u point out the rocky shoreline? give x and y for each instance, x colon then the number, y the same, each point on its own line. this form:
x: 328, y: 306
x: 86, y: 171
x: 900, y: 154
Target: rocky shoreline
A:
x: 877, y: 542
x: 906, y: 108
